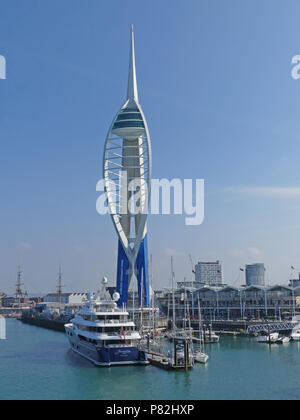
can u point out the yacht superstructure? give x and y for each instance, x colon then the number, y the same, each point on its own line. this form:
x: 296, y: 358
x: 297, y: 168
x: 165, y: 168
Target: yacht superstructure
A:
x: 296, y: 333
x: 102, y: 333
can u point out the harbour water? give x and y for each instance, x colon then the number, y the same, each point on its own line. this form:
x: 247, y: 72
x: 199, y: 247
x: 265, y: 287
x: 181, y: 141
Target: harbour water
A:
x: 37, y: 364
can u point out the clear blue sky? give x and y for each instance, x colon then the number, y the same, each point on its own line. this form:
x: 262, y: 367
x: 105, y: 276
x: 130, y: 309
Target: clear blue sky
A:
x: 215, y: 84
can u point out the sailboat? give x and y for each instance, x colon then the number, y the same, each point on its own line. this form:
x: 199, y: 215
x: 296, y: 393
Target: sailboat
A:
x: 199, y: 355
x: 175, y: 332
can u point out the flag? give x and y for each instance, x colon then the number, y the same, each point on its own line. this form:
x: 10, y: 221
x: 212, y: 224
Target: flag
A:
x: 293, y: 268
x: 123, y: 332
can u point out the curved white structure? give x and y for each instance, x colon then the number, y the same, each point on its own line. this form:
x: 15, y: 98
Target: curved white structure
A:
x: 127, y: 166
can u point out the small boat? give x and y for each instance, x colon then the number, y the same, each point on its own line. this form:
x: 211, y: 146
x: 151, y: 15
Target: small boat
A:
x: 200, y: 357
x: 177, y: 333
x: 268, y: 338
x: 295, y: 336
x: 210, y: 337
x: 283, y: 340
x: 196, y: 355
x: 180, y: 352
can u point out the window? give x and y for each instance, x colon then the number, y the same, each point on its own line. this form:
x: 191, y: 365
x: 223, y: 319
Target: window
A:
x: 116, y: 342
x: 114, y: 317
x: 81, y: 337
x: 83, y: 328
x: 132, y: 116
x: 128, y: 124
x: 130, y: 110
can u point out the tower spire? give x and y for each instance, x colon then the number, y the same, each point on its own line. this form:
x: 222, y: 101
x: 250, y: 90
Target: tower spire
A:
x: 132, y: 92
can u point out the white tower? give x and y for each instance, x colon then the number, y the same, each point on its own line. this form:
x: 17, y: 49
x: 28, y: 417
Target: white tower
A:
x: 127, y: 167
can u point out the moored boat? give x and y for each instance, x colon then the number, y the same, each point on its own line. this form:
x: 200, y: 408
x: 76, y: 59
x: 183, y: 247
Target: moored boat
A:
x: 200, y: 357
x: 283, y: 340
x: 268, y: 338
x: 102, y: 333
x: 295, y: 335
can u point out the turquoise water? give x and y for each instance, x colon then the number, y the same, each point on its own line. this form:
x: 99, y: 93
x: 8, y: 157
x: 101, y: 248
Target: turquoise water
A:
x: 37, y: 364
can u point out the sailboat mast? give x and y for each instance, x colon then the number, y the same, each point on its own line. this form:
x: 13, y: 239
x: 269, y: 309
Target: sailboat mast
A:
x: 173, y: 296
x: 200, y: 323
x: 142, y: 308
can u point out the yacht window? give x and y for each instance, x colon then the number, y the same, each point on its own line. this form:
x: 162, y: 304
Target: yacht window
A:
x: 116, y: 342
x: 114, y: 317
x: 81, y: 337
x: 112, y: 330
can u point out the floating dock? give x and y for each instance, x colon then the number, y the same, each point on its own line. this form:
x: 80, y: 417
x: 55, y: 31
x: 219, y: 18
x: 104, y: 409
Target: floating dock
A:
x: 168, y: 362
x: 162, y: 361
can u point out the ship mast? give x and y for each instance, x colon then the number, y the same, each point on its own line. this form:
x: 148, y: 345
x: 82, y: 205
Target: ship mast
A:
x: 60, y: 285
x: 19, y: 288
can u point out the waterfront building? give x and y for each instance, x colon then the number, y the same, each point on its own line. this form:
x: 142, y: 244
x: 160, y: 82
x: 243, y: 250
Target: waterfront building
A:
x: 2, y: 296
x: 255, y: 274
x: 55, y: 297
x: 8, y: 301
x: 228, y: 302
x: 189, y: 283
x: 209, y: 273
x: 65, y: 298
x: 127, y: 167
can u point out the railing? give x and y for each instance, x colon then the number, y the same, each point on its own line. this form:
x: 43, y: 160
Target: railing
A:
x: 278, y: 326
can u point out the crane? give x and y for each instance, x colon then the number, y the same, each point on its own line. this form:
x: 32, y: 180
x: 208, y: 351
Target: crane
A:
x: 193, y: 265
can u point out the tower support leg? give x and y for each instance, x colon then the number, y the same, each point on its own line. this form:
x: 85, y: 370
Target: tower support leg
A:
x: 122, y: 276
x: 143, y: 273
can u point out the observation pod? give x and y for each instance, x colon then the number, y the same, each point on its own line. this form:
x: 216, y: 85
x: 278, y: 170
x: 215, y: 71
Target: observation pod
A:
x: 127, y: 167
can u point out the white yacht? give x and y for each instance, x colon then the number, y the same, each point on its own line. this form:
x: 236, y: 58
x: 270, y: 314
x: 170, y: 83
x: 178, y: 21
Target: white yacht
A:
x: 268, y: 338
x: 296, y: 333
x: 102, y: 333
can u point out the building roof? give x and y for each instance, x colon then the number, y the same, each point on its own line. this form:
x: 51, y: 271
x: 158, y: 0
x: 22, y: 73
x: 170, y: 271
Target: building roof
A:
x: 255, y: 287
x: 209, y: 262
x: 207, y: 288
x: 279, y: 286
x: 228, y: 288
x: 65, y: 294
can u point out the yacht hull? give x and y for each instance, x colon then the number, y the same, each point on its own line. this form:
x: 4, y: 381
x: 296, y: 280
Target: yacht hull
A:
x: 295, y: 338
x: 105, y: 357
